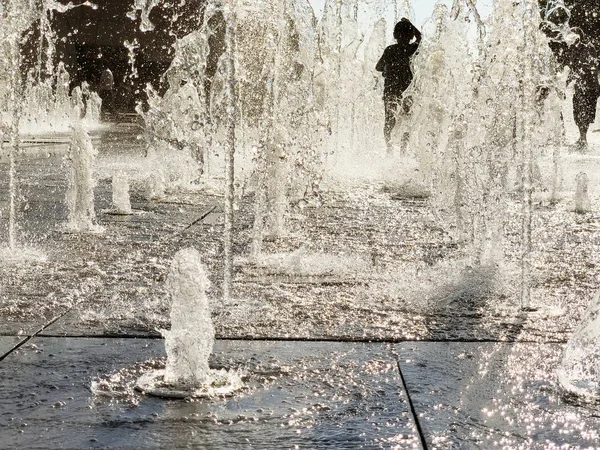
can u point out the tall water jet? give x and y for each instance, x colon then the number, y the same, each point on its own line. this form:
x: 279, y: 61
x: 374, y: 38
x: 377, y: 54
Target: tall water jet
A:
x: 14, y: 20
x: 404, y: 8
x: 80, y: 192
x: 526, y: 119
x: 366, y: 113
x: 286, y: 71
x: 579, y: 370
x: 178, y: 121
x: 14, y: 137
x: 335, y: 33
x: 445, y: 135
x: 93, y: 104
x: 339, y: 22
x: 230, y: 23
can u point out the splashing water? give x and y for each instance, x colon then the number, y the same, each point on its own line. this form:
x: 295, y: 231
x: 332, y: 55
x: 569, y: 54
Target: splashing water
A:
x: 40, y: 102
x: 230, y: 138
x: 145, y: 7
x: 120, y: 194
x: 478, y: 137
x: 579, y: 371
x: 42, y: 96
x: 93, y: 105
x: 303, y: 263
x: 190, y: 340
x: 80, y: 193
x: 294, y: 79
x: 582, y: 196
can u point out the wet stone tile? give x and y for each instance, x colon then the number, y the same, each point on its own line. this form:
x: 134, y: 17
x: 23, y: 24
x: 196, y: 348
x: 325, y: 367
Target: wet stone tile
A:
x: 13, y: 327
x: 7, y: 343
x: 298, y: 395
x: 72, y: 325
x: 417, y: 283
x: 494, y: 395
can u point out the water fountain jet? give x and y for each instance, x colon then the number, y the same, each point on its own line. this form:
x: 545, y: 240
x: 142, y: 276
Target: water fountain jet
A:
x: 579, y: 370
x: 190, y: 340
x: 80, y: 193
x: 582, y: 196
x: 120, y: 195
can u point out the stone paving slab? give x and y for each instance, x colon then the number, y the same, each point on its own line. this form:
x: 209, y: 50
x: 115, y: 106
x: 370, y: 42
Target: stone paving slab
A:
x: 23, y: 327
x: 494, y: 395
x: 13, y: 327
x: 416, y: 281
x: 7, y: 343
x: 299, y: 395
x: 72, y: 325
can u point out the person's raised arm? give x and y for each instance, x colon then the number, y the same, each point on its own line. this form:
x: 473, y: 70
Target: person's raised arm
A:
x: 417, y: 37
x: 415, y: 30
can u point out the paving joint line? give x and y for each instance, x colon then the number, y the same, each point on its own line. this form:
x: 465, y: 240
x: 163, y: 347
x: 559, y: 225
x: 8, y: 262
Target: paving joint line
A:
x: 283, y: 339
x: 36, y: 334
x: 413, y: 411
x: 389, y: 341
x: 202, y: 217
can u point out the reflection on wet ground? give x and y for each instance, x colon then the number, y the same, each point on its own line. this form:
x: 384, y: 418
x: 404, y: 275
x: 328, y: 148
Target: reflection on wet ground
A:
x: 296, y: 397
x: 494, y: 395
x: 368, y: 265
x: 371, y: 267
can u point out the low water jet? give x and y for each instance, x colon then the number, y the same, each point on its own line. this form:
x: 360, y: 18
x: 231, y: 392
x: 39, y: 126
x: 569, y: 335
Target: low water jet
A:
x: 582, y: 196
x: 190, y: 341
x: 120, y: 195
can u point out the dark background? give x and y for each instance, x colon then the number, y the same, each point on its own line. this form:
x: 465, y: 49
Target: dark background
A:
x: 88, y: 40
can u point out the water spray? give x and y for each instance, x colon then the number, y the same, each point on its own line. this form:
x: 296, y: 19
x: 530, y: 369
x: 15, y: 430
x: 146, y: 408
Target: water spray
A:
x: 230, y: 141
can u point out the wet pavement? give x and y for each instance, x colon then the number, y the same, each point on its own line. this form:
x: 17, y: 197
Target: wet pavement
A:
x: 296, y: 396
x: 8, y: 343
x: 76, y: 393
x: 495, y: 395
x: 367, y: 302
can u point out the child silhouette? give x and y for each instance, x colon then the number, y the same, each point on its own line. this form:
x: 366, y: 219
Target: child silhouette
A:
x: 395, y: 67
